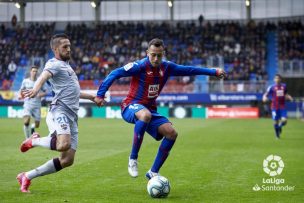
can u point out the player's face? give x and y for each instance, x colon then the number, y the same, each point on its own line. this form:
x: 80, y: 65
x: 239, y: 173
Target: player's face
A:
x: 64, y: 49
x: 155, y: 55
x: 277, y: 79
x: 34, y: 72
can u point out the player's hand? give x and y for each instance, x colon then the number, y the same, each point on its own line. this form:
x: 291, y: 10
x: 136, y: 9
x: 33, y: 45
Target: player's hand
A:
x: 265, y: 99
x: 92, y: 98
x: 220, y: 73
x: 99, y: 101
x: 290, y: 98
x: 30, y: 93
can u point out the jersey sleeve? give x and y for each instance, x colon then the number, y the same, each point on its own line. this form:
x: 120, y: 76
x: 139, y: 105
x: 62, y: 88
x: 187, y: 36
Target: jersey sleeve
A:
x: 22, y: 85
x: 51, y: 67
x: 126, y: 71
x: 181, y: 70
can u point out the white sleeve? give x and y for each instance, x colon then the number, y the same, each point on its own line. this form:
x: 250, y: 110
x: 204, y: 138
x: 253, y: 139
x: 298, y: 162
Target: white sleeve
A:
x: 51, y: 67
x: 22, y: 85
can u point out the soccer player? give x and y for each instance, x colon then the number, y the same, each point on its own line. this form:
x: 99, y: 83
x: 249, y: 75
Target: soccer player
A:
x: 63, y: 110
x: 278, y: 94
x: 31, y: 106
x: 149, y: 76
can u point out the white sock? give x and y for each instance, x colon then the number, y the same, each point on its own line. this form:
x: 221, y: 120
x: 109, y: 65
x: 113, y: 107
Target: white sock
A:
x: 33, y: 127
x: 42, y: 170
x: 27, y: 131
x: 42, y: 142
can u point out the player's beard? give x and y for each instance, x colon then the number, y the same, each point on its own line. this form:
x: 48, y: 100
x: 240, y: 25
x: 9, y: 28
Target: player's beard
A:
x: 65, y: 57
x: 155, y: 64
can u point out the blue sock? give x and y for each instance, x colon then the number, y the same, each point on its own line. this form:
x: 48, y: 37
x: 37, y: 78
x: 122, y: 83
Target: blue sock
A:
x: 139, y: 131
x: 277, y: 130
x: 163, y: 153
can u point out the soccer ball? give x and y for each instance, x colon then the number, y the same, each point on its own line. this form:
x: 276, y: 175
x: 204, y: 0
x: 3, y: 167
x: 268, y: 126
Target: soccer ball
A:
x: 158, y: 187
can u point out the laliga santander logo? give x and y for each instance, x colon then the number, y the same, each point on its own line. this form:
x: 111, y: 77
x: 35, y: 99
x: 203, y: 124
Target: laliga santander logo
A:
x: 273, y: 165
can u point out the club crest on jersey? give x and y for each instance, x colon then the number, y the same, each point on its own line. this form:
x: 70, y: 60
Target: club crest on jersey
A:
x: 153, y: 91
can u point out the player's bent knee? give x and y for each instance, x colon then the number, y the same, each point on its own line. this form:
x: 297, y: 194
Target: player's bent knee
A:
x: 144, y: 115
x: 63, y: 146
x: 171, y: 134
x: 147, y: 115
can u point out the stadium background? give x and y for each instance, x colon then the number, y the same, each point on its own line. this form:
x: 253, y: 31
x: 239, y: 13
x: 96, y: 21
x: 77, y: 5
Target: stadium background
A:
x: 252, y: 40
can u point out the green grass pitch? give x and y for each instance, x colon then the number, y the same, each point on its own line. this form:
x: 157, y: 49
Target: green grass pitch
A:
x: 212, y: 161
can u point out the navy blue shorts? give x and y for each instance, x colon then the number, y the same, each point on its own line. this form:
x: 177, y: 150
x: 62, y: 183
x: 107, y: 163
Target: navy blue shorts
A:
x: 157, y: 120
x: 277, y: 114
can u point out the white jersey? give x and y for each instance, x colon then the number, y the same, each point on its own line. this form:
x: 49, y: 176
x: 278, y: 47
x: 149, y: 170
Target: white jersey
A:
x: 31, y: 102
x: 64, y: 83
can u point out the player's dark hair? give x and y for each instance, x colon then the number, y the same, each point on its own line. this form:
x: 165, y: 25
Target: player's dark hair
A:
x: 34, y: 67
x: 56, y: 39
x: 278, y: 75
x: 156, y: 42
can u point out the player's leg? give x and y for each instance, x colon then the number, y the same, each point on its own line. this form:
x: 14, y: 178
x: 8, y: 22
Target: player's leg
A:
x: 283, y: 120
x: 283, y: 117
x: 26, y: 126
x: 66, y: 159
x: 60, y: 142
x: 66, y: 142
x: 276, y: 118
x: 37, y: 117
x: 141, y: 117
x: 161, y: 128
x: 165, y: 147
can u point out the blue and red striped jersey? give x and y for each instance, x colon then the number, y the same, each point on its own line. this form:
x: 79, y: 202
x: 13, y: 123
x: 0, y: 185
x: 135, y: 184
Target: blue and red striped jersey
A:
x: 277, y: 92
x: 148, y: 81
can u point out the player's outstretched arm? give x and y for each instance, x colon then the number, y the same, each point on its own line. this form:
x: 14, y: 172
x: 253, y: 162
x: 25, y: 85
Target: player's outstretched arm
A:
x: 45, y: 75
x: 125, y: 71
x: 20, y: 93
x: 180, y: 70
x: 265, y: 95
x: 84, y: 95
x: 220, y: 73
x: 43, y: 92
x: 287, y: 96
x: 99, y: 101
x: 265, y: 98
x: 91, y: 97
